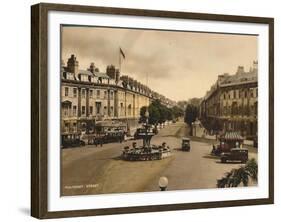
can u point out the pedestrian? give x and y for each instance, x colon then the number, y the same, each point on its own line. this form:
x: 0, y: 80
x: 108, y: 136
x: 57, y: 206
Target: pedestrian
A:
x: 214, y: 149
x: 121, y: 137
x: 101, y: 141
x: 96, y: 141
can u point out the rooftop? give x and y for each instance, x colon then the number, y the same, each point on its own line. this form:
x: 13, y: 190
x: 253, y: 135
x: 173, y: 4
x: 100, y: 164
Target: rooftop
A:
x: 239, y: 78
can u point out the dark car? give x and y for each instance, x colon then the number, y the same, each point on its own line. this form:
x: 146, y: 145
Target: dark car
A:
x: 185, y: 145
x: 71, y: 140
x: 235, y: 154
x: 114, y: 136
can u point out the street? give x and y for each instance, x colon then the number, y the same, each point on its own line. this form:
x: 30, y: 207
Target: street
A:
x: 100, y: 170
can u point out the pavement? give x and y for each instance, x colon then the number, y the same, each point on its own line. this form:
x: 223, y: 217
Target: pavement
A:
x: 99, y: 170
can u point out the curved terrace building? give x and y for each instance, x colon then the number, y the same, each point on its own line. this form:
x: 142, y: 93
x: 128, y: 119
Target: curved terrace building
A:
x: 232, y: 102
x: 90, y: 96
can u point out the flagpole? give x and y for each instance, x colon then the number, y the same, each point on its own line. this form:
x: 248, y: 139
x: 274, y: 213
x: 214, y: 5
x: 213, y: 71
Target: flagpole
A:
x: 119, y: 60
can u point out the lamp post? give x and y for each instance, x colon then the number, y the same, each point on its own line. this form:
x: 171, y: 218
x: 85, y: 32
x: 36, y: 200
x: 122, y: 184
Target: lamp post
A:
x: 146, y: 139
x: 163, y: 183
x: 146, y: 114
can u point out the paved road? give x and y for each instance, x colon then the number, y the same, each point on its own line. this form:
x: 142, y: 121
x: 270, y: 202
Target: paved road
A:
x: 97, y: 170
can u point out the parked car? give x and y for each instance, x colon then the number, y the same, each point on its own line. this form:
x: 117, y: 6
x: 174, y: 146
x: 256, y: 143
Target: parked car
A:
x: 114, y: 136
x: 71, y: 140
x: 185, y: 145
x: 235, y: 154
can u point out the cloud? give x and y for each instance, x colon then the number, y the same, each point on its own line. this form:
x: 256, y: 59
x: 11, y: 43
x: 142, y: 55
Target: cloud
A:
x: 180, y: 65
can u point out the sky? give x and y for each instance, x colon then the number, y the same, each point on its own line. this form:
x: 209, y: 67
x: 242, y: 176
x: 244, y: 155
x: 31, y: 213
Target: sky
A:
x: 178, y: 65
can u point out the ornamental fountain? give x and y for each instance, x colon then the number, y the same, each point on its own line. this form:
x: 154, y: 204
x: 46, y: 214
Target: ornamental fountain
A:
x: 146, y: 151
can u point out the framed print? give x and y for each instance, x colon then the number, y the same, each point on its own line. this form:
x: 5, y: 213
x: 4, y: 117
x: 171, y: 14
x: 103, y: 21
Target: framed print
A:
x: 139, y: 110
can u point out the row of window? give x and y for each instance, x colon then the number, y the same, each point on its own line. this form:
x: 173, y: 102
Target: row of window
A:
x: 91, y: 93
x: 91, y: 110
x: 234, y: 109
x: 241, y: 110
x: 236, y: 94
x: 98, y: 110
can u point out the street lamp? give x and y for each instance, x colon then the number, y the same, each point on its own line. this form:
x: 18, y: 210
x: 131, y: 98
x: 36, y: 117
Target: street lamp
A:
x: 146, y: 139
x: 146, y: 114
x: 163, y: 183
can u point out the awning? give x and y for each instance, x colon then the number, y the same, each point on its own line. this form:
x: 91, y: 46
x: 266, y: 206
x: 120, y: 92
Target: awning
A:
x: 231, y: 135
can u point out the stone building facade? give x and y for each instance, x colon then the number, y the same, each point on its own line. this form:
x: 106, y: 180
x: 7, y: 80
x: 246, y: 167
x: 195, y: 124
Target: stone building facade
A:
x: 232, y: 102
x: 90, y: 96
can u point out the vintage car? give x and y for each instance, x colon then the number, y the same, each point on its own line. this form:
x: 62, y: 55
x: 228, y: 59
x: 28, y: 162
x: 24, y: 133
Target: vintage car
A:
x: 71, y: 140
x: 110, y: 131
x: 185, y: 145
x: 95, y: 139
x: 114, y: 135
x: 235, y: 154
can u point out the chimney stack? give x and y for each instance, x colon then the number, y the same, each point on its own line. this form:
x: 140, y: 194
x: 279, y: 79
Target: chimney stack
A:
x: 255, y: 66
x: 72, y: 65
x: 240, y: 70
x: 110, y: 71
x: 92, y: 68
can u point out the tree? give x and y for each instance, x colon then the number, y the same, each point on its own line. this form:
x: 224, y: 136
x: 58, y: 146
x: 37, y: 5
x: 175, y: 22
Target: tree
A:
x: 194, y: 101
x: 154, y: 114
x: 241, y: 175
x: 142, y: 114
x: 191, y: 113
x: 177, y: 111
x: 215, y: 125
x: 159, y: 113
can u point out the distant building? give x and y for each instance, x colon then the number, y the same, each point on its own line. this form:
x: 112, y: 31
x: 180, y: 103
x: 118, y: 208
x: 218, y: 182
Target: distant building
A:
x: 232, y: 102
x: 90, y: 96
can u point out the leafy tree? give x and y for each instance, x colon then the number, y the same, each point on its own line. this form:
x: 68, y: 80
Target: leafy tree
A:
x: 177, y: 111
x: 182, y: 104
x: 194, y: 101
x: 142, y: 114
x: 159, y: 113
x: 241, y: 175
x: 215, y: 125
x: 170, y: 114
x: 154, y: 114
x: 191, y: 113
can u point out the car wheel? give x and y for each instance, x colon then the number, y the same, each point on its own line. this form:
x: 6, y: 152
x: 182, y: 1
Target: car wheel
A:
x: 223, y: 160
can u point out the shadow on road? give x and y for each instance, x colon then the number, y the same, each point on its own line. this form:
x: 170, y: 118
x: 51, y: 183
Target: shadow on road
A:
x: 117, y: 158
x: 180, y: 150
x: 229, y: 162
x: 211, y: 157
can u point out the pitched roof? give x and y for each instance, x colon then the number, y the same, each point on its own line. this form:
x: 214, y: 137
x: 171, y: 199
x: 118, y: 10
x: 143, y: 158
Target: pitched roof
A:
x: 101, y: 75
x: 246, y: 77
x: 85, y: 72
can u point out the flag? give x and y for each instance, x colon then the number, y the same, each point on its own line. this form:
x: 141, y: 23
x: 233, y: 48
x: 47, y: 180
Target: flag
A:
x: 122, y: 53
